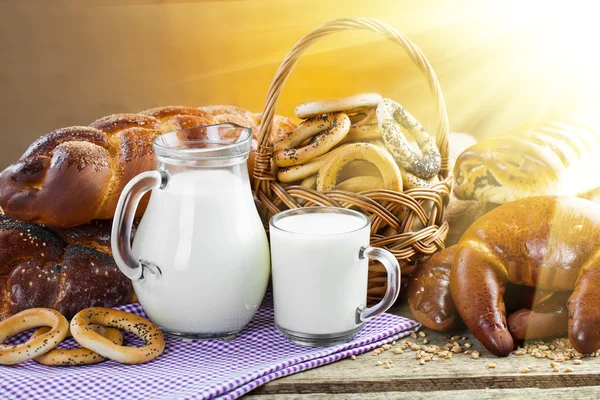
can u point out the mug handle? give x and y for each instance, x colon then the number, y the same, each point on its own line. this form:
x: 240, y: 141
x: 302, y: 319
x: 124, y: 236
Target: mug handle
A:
x: 393, y: 284
x: 120, y: 240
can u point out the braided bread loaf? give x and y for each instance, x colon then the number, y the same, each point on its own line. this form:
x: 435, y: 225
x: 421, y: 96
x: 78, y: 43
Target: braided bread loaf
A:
x: 554, y: 158
x: 74, y: 175
x: 66, y: 269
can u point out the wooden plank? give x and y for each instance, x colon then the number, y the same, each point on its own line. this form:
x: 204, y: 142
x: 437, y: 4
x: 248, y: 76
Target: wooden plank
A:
x: 459, y: 373
x: 580, y: 393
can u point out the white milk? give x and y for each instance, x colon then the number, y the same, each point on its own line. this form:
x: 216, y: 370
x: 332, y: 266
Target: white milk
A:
x: 318, y: 278
x: 206, y: 237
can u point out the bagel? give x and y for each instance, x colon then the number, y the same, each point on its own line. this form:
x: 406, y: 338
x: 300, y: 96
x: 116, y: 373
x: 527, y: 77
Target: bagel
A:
x: 423, y: 166
x: 390, y: 173
x: 352, y: 104
x: 364, y: 130
x: 361, y: 184
x: 303, y: 171
x: 310, y: 182
x: 358, y: 168
x: 81, y: 356
x: 35, y: 346
x: 139, y: 326
x: 326, y: 131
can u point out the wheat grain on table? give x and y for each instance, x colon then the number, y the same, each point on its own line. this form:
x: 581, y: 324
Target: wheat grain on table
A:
x: 482, y: 376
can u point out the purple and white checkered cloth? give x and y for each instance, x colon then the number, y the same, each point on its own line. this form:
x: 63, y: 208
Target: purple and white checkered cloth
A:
x: 194, y: 370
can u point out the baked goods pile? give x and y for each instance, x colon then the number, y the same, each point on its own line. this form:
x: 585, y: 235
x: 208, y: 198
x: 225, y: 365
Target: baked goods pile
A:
x: 55, y: 251
x: 92, y: 328
x: 526, y: 268
x: 356, y: 144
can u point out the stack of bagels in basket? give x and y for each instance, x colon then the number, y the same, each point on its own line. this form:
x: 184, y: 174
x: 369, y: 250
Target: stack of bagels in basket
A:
x: 58, y: 201
x: 357, y: 143
x: 527, y: 262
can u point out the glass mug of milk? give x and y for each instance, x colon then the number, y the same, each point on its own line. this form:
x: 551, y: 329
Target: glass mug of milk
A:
x: 319, y: 262
x: 200, y: 258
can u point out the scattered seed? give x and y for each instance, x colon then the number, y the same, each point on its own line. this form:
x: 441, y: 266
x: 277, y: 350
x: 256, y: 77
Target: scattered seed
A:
x: 455, y: 338
x: 353, y: 357
x: 422, y: 334
x: 491, y: 365
x: 476, y: 356
x: 413, y: 335
x: 568, y: 369
x: 577, y: 362
x: 524, y: 370
x: 386, y: 347
x: 425, y: 341
x: 378, y: 363
x: 467, y: 345
x: 422, y: 362
x: 398, y: 351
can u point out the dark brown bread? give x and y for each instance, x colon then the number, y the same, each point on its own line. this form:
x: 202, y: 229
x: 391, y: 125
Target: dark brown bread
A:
x: 38, y: 268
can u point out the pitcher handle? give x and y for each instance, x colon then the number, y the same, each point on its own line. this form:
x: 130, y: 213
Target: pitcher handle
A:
x: 393, y: 284
x: 123, y: 221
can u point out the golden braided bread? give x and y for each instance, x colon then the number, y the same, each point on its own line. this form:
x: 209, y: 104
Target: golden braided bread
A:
x: 76, y: 174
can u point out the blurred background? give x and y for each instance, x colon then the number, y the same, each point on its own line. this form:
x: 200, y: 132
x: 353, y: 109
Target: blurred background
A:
x: 500, y: 64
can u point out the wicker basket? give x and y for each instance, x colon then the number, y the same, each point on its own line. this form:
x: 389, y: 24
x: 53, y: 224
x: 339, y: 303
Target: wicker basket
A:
x: 383, y: 206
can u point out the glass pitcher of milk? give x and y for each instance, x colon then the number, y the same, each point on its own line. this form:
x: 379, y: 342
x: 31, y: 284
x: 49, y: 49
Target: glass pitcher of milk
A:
x: 200, y: 258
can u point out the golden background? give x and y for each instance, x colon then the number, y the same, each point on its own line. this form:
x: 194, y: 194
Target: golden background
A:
x: 70, y: 62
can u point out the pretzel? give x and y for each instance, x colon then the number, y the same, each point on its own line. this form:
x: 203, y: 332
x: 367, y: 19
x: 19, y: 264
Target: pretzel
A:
x: 390, y: 173
x: 359, y: 184
x: 139, y: 326
x: 81, y: 356
x: 364, y: 130
x: 35, y: 346
x: 352, y: 104
x: 303, y: 171
x: 426, y: 166
x: 326, y: 131
x: 409, y: 181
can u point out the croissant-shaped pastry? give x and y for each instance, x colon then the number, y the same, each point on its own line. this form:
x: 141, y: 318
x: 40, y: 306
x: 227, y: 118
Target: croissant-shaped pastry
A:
x: 553, y: 158
x: 550, y: 243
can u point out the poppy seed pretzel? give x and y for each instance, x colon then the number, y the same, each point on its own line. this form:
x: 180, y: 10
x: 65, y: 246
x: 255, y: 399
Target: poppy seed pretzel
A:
x: 35, y: 346
x: 325, y: 130
x: 423, y: 166
x: 80, y: 356
x: 84, y: 335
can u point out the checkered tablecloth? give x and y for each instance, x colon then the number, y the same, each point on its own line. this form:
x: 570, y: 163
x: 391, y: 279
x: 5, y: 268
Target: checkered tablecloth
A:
x: 194, y: 370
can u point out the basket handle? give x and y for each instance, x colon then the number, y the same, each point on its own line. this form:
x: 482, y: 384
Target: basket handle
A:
x: 339, y: 25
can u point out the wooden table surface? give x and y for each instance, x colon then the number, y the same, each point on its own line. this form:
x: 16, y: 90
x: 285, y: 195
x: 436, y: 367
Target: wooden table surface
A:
x: 457, y: 378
